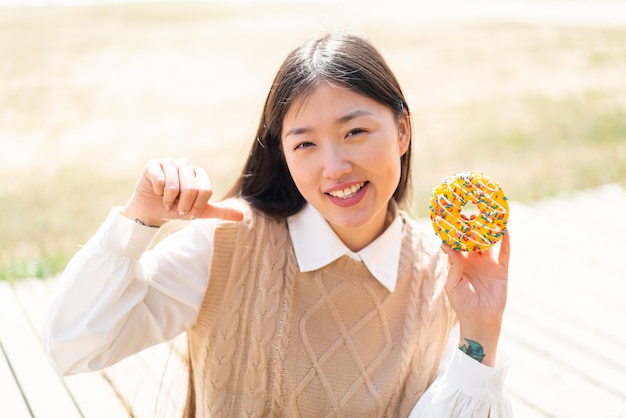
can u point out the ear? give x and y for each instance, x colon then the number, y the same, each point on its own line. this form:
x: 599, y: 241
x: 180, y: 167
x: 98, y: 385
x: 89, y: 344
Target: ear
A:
x: 404, y: 133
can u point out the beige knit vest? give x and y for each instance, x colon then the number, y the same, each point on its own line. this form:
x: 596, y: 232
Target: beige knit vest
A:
x: 271, y: 341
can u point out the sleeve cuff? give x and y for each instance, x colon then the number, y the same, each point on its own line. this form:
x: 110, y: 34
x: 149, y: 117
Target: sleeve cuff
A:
x: 125, y: 237
x: 476, y: 379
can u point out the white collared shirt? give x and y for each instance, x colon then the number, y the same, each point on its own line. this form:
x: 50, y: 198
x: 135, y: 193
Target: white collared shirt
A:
x: 114, y: 286
x: 316, y: 245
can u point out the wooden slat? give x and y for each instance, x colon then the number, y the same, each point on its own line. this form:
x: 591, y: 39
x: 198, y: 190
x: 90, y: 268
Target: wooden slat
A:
x: 138, y: 386
x: 95, y: 396
x: 131, y: 387
x: 44, y: 391
x: 565, y: 308
x: 92, y: 392
x: 152, y: 382
x: 549, y: 371
x: 12, y: 402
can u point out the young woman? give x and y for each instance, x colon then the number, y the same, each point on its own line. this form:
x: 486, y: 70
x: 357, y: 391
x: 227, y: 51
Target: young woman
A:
x: 308, y: 292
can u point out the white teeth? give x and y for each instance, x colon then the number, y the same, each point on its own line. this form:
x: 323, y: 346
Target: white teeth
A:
x: 348, y: 191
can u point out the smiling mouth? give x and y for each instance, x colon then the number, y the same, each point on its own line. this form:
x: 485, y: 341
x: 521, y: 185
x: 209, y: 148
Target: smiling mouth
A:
x: 348, y: 192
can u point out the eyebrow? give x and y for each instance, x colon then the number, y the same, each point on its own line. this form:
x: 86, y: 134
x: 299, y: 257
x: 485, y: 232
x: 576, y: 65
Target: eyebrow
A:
x: 344, y: 119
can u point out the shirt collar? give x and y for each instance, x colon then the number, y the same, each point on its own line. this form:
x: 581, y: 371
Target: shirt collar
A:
x: 316, y: 245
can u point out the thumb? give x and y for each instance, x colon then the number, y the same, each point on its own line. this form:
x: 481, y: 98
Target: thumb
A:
x: 228, y: 212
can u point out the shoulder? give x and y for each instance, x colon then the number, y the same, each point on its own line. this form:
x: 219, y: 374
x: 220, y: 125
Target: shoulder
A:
x: 420, y: 232
x: 421, y: 247
x: 425, y: 265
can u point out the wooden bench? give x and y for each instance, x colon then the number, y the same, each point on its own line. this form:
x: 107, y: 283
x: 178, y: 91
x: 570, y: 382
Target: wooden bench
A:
x: 30, y: 386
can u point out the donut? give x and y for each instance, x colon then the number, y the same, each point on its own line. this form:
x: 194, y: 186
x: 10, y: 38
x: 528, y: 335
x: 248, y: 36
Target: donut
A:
x: 477, y: 232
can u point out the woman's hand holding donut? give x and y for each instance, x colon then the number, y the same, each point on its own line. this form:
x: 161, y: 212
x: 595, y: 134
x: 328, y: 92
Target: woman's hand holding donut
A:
x: 477, y: 289
x: 174, y: 189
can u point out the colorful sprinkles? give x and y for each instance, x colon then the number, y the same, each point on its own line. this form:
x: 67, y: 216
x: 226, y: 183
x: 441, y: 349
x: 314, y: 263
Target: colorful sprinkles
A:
x: 476, y: 233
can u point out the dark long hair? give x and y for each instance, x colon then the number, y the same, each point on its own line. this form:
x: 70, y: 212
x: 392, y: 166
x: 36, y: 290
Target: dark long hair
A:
x: 341, y: 59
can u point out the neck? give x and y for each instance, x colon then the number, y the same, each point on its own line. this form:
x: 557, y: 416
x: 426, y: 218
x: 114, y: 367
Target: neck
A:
x: 356, y: 240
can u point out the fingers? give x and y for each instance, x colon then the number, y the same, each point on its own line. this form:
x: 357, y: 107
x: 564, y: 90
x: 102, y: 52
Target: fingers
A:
x: 204, y: 191
x: 195, y: 190
x: 179, y: 183
x: 505, y: 250
x: 455, y: 271
x: 477, y: 265
x: 171, y: 170
x: 153, y: 172
x: 163, y: 177
x: 185, y: 190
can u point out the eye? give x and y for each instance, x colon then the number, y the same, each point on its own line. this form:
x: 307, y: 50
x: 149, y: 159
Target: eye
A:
x: 302, y: 145
x: 355, y: 131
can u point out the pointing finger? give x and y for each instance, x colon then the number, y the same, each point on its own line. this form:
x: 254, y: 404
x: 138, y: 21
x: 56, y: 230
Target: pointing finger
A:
x: 222, y: 211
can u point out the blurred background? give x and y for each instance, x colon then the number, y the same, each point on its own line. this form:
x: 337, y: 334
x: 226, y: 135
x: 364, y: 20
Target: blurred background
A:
x: 531, y: 93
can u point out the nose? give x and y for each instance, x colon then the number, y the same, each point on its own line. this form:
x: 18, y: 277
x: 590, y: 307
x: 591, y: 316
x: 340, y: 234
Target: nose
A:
x: 336, y: 163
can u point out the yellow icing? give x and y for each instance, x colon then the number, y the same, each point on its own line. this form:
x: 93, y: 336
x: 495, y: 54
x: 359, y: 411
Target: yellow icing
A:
x: 477, y: 234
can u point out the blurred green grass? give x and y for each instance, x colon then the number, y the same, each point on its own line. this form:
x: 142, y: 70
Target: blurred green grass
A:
x: 88, y: 94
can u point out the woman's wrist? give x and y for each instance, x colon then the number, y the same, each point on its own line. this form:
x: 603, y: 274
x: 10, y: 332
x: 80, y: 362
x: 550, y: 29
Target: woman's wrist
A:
x: 480, y: 343
x: 141, y: 218
x: 140, y: 222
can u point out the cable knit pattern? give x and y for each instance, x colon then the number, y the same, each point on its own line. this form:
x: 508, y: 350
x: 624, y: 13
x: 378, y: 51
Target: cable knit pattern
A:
x: 271, y: 341
x: 423, y: 319
x: 281, y: 341
x: 266, y: 303
x: 404, y: 379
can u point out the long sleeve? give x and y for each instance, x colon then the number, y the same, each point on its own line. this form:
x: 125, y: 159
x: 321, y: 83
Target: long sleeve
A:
x: 116, y: 298
x: 465, y: 388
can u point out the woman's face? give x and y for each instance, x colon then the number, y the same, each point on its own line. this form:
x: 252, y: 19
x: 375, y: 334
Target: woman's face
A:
x: 343, y: 151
